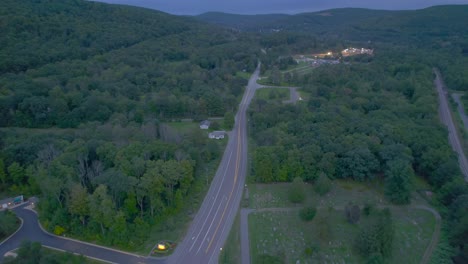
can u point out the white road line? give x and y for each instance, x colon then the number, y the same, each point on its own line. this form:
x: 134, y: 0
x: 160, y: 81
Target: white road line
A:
x: 212, y: 205
x: 212, y: 221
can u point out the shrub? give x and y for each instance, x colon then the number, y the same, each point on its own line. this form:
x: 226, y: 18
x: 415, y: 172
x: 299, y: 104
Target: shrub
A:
x: 58, y: 230
x: 307, y: 214
x: 296, y: 192
x: 368, y: 209
x: 323, y: 184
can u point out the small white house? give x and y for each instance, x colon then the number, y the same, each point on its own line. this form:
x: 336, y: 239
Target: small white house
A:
x: 205, y: 124
x: 217, y: 135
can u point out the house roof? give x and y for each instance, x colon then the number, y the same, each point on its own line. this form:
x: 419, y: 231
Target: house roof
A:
x: 205, y: 122
x: 218, y: 133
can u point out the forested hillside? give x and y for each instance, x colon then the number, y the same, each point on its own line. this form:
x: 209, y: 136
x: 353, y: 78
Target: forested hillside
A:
x: 86, y: 94
x: 68, y: 62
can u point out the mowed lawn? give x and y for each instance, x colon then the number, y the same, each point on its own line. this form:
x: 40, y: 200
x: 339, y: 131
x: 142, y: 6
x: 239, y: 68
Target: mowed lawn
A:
x: 329, y: 237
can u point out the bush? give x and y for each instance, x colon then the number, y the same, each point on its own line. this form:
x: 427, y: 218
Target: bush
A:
x: 368, y: 209
x: 307, y: 214
x: 323, y: 184
x: 58, y: 230
x: 296, y: 192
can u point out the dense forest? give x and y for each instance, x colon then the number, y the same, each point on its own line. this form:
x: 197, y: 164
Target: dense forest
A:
x: 88, y: 91
x: 86, y: 94
x: 74, y: 65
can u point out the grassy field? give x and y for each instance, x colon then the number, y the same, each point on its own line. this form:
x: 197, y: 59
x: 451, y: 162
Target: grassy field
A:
x: 272, y: 94
x: 244, y: 75
x: 231, y: 253
x: 328, y: 238
x: 183, y: 127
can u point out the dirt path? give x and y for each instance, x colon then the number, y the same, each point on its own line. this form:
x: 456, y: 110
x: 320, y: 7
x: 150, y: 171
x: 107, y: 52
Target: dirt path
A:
x: 435, y: 236
x: 244, y: 225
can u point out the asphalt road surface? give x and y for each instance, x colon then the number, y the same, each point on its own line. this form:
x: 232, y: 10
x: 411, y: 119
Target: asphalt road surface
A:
x: 210, y: 228
x: 446, y: 118
x: 30, y: 230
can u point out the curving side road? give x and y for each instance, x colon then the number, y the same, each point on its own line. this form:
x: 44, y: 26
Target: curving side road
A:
x: 31, y: 230
x: 446, y: 118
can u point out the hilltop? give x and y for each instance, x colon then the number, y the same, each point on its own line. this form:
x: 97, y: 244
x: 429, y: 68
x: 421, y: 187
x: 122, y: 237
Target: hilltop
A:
x: 354, y: 23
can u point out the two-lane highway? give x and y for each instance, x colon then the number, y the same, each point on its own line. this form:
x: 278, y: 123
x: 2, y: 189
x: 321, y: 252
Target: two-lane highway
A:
x: 446, y: 118
x: 207, y: 233
x: 210, y: 228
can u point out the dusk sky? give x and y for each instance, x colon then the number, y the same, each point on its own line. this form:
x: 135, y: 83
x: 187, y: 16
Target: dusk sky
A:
x: 194, y: 7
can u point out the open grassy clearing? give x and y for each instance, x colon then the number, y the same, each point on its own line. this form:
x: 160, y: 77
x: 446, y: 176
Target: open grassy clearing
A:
x: 184, y: 127
x: 329, y: 237
x: 273, y: 94
x: 413, y: 232
x: 276, y: 195
x: 244, y: 75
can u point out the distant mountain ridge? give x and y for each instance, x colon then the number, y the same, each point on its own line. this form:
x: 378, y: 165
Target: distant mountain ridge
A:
x: 345, y: 22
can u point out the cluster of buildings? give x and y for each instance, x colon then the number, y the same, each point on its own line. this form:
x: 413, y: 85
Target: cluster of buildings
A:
x: 315, y: 62
x: 353, y: 51
x: 205, y: 124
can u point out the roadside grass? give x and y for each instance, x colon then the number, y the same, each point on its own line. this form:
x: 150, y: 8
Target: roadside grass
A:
x: 65, y: 257
x: 244, y: 75
x: 70, y: 257
x: 328, y: 238
x: 12, y: 223
x: 231, y: 253
x: 459, y: 125
x: 273, y: 94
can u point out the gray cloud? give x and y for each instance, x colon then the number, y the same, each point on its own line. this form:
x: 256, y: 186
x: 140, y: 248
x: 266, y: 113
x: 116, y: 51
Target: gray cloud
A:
x: 191, y: 7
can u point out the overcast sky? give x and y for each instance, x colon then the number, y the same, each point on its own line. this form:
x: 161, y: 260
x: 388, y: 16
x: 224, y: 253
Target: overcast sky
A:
x: 194, y: 7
